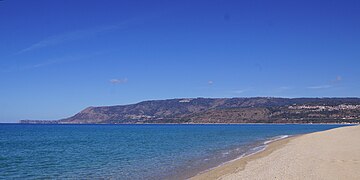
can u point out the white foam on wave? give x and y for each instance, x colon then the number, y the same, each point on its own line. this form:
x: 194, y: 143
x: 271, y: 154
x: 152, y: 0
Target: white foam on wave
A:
x: 226, y: 153
x: 276, y: 139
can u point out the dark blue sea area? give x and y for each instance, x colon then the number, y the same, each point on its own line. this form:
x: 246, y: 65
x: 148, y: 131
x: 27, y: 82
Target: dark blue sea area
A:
x: 130, y: 151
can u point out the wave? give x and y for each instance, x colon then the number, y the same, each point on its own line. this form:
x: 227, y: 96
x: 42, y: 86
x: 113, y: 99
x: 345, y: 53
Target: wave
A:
x: 276, y: 138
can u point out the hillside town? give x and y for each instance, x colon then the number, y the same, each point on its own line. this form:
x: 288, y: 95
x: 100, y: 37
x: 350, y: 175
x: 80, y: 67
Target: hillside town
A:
x: 324, y: 107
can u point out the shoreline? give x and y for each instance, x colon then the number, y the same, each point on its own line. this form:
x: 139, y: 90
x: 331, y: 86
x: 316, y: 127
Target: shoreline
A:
x: 253, y: 164
x: 249, y: 149
x: 240, y: 162
x: 248, y: 153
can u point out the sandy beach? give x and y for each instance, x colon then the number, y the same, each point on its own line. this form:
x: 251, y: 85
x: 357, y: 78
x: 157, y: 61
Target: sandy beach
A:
x: 331, y: 154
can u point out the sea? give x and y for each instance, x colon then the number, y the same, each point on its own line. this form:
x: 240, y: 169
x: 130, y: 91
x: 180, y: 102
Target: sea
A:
x: 148, y: 151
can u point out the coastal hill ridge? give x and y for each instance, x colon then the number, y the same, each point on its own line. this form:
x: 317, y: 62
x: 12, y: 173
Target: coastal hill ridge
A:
x: 221, y: 110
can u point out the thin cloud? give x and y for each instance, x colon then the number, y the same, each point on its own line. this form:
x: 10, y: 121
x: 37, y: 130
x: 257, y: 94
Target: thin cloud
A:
x: 210, y: 82
x: 119, y: 81
x: 70, y: 36
x: 46, y: 63
x: 320, y: 87
x: 78, y: 34
x: 240, y: 91
x: 285, y: 88
x: 331, y: 84
x: 35, y: 66
x: 282, y: 89
x: 49, y: 62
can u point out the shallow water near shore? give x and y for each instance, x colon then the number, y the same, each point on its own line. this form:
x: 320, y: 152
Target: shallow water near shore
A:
x: 131, y: 151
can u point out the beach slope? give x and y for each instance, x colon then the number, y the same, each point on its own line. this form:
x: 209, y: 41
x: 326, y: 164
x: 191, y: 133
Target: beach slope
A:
x: 331, y: 154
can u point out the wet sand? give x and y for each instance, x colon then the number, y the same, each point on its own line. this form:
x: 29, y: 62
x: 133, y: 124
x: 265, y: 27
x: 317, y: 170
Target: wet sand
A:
x: 331, y: 154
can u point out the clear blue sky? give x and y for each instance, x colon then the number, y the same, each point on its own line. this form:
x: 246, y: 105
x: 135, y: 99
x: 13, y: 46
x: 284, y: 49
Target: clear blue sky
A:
x: 58, y: 57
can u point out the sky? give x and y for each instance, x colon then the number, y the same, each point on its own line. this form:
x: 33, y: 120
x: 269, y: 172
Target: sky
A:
x: 59, y: 57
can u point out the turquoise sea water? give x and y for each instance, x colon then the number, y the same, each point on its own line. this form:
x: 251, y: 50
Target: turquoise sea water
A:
x: 129, y: 151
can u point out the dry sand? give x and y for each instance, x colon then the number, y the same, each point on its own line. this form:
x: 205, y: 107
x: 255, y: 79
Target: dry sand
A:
x: 331, y: 154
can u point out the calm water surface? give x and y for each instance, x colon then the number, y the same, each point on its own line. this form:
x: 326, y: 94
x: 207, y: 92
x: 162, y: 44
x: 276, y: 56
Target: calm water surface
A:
x: 129, y: 151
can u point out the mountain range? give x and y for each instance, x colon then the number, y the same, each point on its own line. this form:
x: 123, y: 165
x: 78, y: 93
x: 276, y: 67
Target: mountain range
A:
x: 221, y: 110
